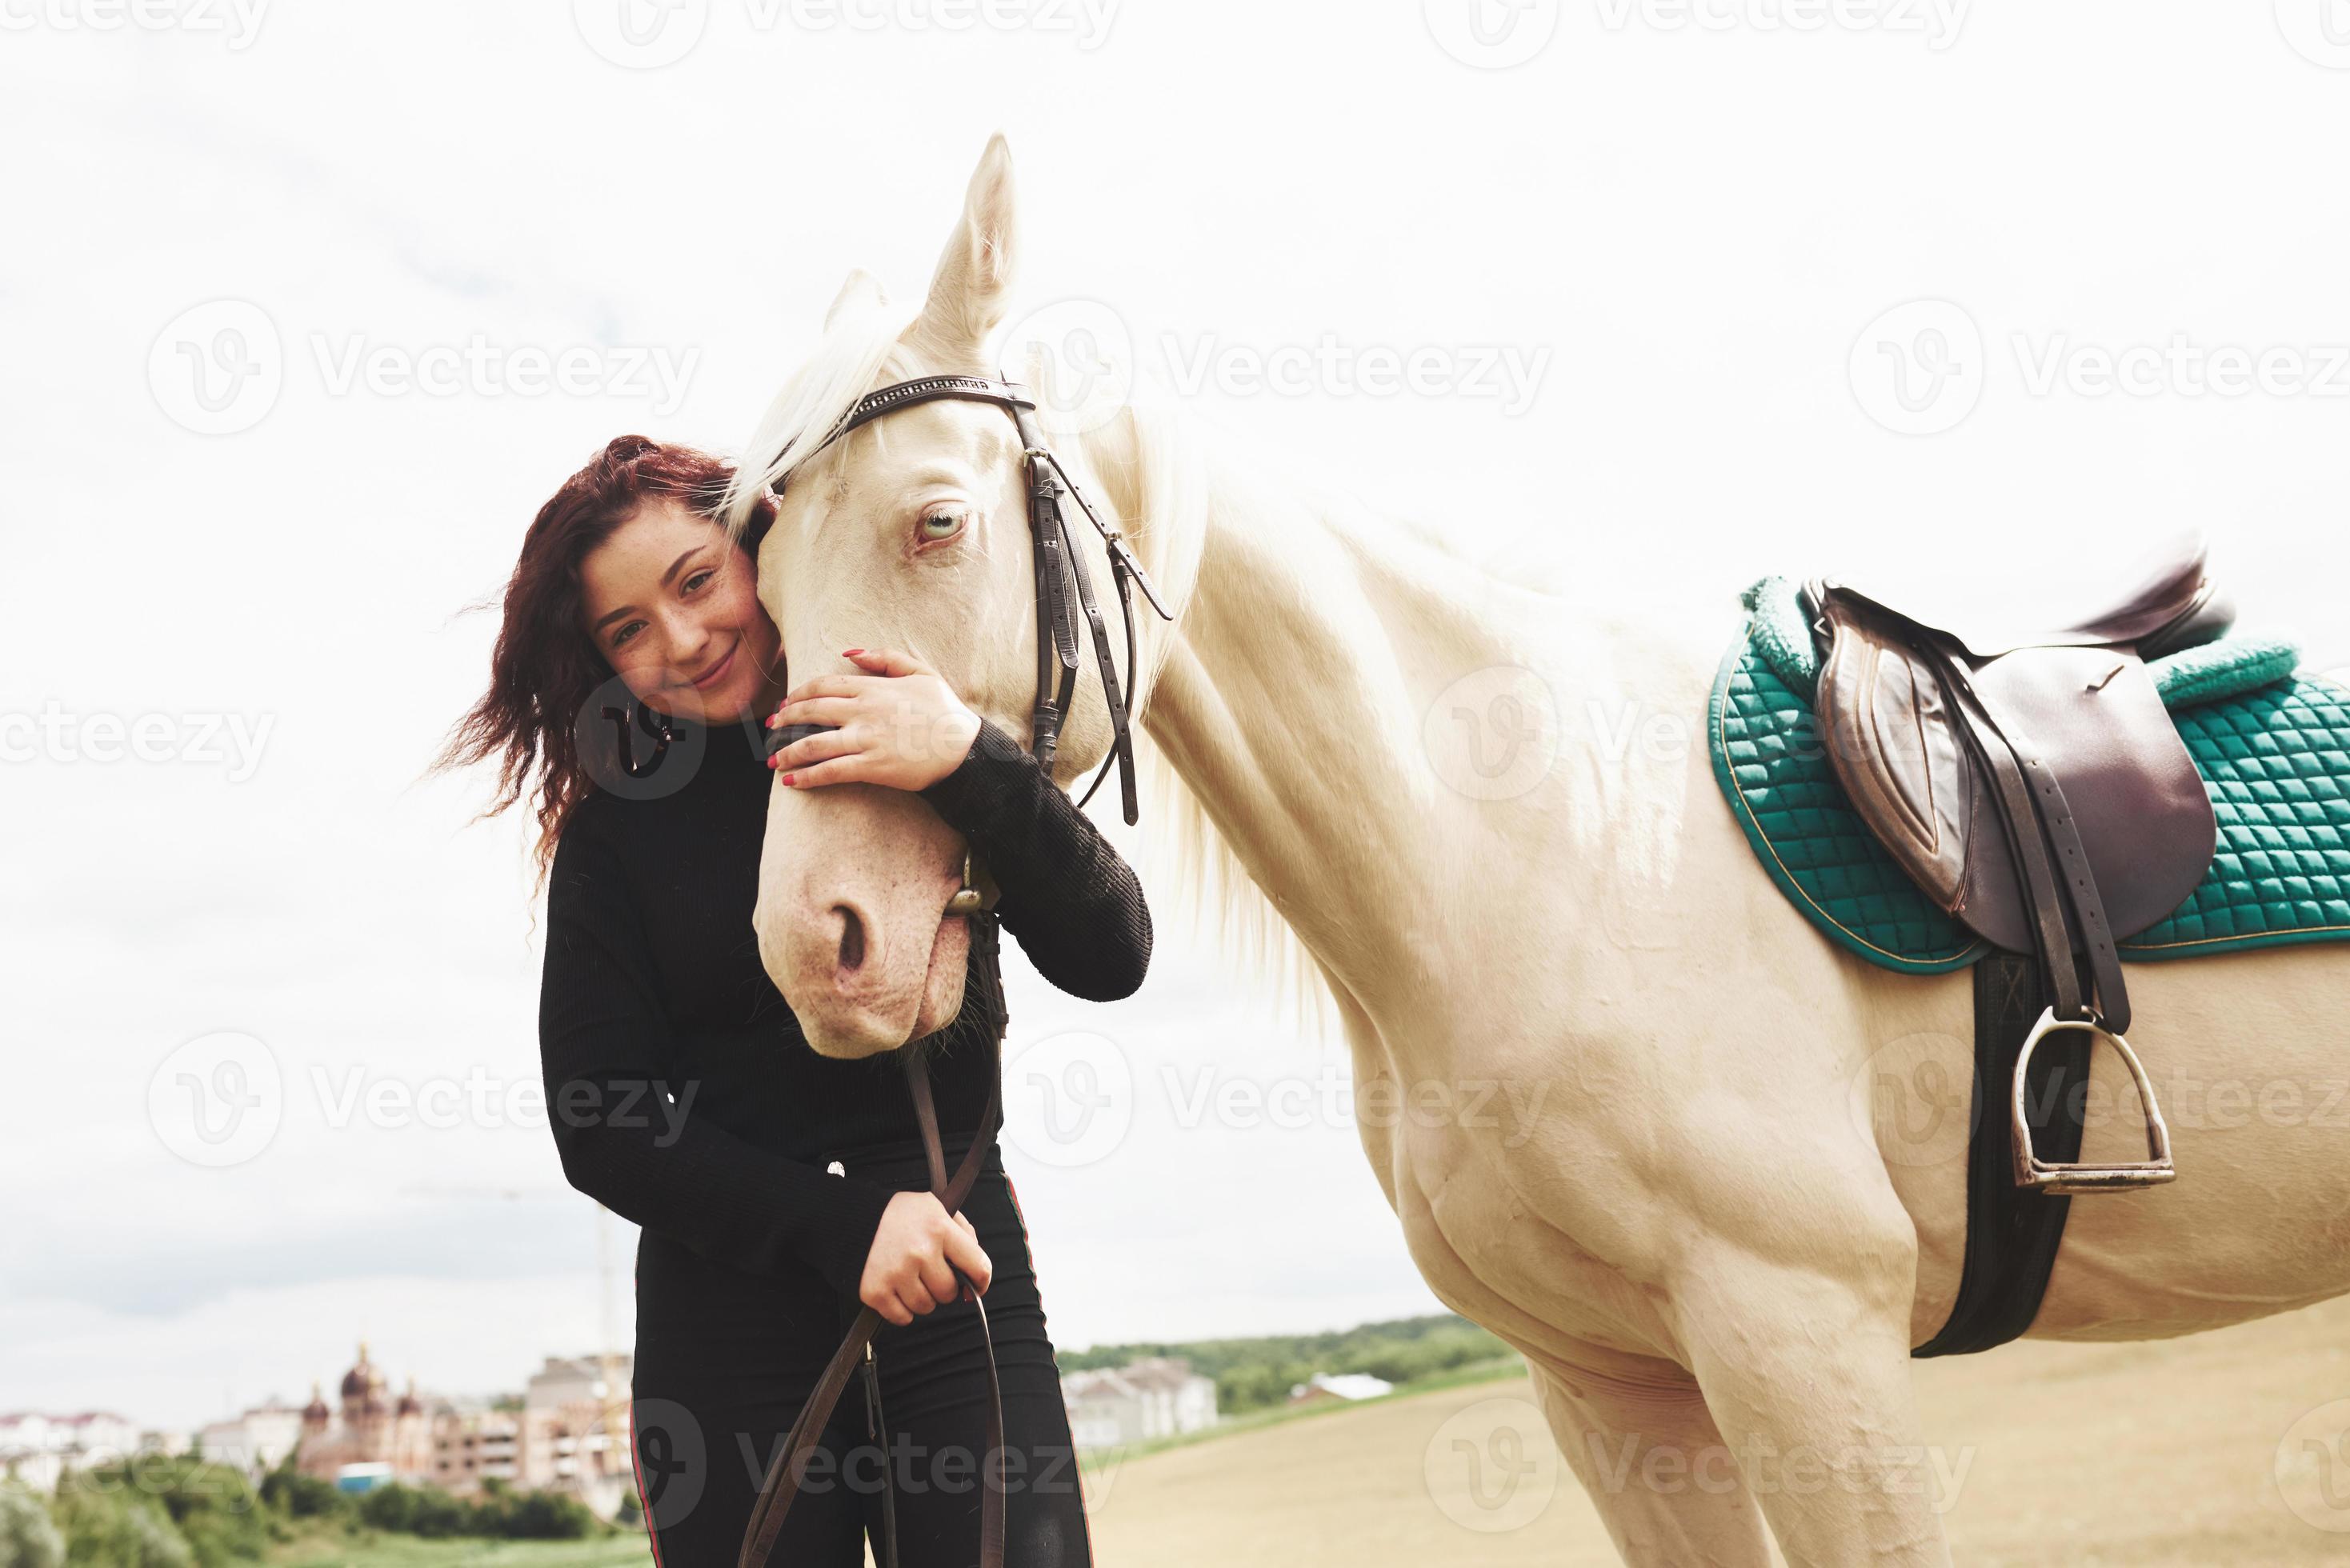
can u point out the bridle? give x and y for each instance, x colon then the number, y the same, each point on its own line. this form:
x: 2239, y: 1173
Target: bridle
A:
x: 1064, y: 585
x: 1063, y: 589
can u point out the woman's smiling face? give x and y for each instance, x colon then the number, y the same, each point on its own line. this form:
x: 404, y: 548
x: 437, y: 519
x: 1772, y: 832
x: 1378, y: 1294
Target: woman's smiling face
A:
x: 673, y: 605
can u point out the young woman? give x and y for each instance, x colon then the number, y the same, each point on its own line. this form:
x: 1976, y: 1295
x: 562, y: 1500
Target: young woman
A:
x: 629, y: 684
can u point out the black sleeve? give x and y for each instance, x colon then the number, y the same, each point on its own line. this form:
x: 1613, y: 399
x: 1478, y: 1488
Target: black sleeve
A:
x: 1077, y: 907
x: 603, y: 1039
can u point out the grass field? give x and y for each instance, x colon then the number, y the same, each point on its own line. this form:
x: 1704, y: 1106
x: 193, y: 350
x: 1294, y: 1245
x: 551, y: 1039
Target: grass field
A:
x: 373, y: 1551
x: 2159, y: 1455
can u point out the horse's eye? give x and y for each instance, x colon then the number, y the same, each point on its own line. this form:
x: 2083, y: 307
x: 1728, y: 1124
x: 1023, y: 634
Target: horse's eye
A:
x: 940, y: 524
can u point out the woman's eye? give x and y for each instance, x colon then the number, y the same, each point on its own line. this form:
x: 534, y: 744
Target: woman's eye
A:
x: 941, y: 524
x: 694, y: 584
x: 627, y: 632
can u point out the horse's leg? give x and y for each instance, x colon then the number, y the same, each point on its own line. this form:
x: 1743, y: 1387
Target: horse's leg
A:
x: 1805, y: 1367
x: 1647, y: 1452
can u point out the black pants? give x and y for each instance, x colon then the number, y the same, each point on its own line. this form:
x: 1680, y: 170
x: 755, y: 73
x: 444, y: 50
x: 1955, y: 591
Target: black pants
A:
x: 724, y: 1362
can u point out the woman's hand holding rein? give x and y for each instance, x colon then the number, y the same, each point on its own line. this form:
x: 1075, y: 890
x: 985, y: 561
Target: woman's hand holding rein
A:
x: 909, y: 1273
x: 899, y: 725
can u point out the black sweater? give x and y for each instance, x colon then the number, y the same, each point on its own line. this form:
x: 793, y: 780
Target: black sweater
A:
x: 680, y: 1091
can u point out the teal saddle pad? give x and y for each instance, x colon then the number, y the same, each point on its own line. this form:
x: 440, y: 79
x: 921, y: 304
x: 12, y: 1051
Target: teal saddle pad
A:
x: 2273, y: 748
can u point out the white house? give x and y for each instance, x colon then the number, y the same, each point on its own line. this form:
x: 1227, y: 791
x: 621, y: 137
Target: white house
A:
x: 1158, y: 1398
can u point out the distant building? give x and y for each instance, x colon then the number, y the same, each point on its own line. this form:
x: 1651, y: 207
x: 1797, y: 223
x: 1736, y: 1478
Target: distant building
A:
x: 573, y: 1435
x: 1159, y: 1396
x: 255, y: 1442
x: 367, y: 1429
x: 1325, y: 1388
x: 472, y: 1444
x: 35, y: 1449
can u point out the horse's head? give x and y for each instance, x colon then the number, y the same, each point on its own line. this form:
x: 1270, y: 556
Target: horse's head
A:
x: 911, y: 531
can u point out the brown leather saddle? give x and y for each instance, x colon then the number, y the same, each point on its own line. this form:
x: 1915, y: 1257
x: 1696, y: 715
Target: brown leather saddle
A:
x: 2032, y: 783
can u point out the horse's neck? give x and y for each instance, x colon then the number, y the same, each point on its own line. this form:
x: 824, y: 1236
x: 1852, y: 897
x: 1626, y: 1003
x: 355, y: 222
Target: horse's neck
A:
x: 1292, y: 705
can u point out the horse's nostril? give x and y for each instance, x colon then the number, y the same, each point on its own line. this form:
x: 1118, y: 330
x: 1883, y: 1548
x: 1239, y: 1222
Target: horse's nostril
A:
x: 852, y: 937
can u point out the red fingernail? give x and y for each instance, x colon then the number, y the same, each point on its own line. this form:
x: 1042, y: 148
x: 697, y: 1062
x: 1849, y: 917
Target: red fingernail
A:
x: 787, y: 778
x: 850, y: 652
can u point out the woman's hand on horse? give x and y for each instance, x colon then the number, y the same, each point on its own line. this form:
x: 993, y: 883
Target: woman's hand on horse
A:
x: 910, y: 1271
x: 898, y: 724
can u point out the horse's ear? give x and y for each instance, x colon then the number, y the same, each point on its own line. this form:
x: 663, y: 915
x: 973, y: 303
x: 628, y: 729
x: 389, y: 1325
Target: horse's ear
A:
x: 968, y: 292
x: 861, y: 292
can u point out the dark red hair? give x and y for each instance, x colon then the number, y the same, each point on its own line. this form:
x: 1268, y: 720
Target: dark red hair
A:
x: 546, y: 668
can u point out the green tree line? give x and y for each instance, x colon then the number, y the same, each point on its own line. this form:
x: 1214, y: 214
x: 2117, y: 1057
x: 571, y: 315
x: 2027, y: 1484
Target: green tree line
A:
x: 1251, y: 1374
x: 157, y: 1511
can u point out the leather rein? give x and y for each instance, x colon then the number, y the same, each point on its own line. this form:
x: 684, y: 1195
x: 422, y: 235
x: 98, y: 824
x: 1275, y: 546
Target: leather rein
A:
x: 1064, y: 588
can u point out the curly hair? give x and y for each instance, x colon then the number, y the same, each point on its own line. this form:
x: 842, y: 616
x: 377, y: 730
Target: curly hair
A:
x: 545, y: 669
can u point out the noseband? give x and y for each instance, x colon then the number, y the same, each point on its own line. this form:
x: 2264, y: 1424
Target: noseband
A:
x: 1063, y: 589
x: 1064, y: 586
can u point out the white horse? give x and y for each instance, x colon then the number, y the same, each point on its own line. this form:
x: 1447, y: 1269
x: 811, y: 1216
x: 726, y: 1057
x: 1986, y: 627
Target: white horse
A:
x: 1487, y: 813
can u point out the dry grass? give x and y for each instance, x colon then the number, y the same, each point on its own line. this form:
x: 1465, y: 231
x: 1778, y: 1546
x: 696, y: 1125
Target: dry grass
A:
x: 2159, y: 1455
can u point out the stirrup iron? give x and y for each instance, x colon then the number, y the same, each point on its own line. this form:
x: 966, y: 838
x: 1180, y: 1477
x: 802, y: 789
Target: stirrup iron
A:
x: 2033, y: 1171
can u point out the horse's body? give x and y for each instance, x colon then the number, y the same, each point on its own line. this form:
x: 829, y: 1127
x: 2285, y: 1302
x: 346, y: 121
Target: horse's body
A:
x: 1635, y: 1115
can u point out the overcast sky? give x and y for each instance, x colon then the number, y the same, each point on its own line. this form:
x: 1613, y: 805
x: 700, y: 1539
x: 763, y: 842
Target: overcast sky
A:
x: 282, y: 290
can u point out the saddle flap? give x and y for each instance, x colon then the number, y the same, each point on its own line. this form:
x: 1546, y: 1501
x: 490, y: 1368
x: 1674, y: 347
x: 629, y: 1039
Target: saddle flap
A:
x: 1895, y: 746
x: 2095, y: 718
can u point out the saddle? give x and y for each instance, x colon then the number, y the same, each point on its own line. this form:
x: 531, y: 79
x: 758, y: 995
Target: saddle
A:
x: 2034, y: 786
